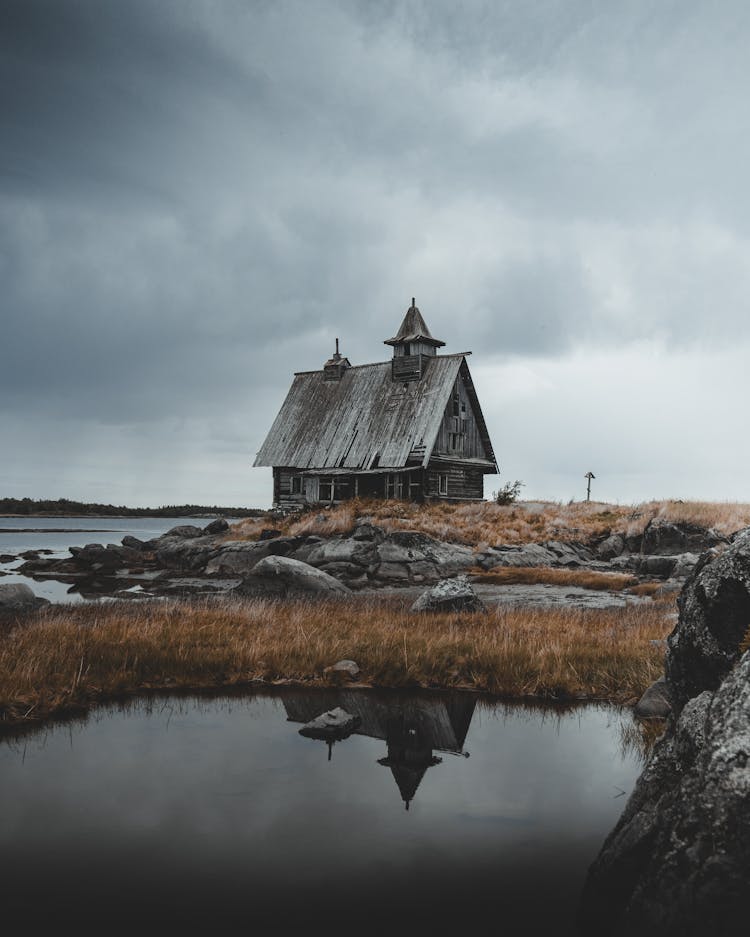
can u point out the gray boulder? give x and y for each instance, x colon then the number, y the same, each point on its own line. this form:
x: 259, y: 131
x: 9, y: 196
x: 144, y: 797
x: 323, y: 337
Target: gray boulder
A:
x: 665, y: 538
x: 685, y: 563
x: 187, y: 553
x: 346, y: 669
x: 133, y: 543
x: 365, y: 530
x: 18, y: 597
x: 185, y: 531
x: 714, y: 617
x: 219, y: 526
x: 236, y: 557
x: 449, y: 595
x: 655, y: 702
x: 661, y: 566
x: 678, y: 862
x: 282, y: 575
x: 109, y: 557
x: 613, y: 546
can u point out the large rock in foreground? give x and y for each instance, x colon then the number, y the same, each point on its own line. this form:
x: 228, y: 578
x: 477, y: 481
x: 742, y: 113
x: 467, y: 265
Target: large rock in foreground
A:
x: 714, y: 618
x: 18, y: 597
x: 678, y: 862
x: 281, y: 575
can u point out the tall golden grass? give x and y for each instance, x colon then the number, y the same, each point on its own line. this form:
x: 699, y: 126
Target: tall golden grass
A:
x: 71, y: 657
x: 546, y: 575
x: 484, y: 523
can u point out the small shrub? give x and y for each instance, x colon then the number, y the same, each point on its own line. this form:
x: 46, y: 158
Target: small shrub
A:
x: 508, y: 493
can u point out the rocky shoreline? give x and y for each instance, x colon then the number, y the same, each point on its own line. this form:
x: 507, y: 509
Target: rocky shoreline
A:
x: 678, y: 861
x: 189, y: 560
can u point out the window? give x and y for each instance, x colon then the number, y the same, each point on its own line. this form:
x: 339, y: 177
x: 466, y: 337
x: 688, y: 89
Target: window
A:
x: 456, y: 442
x: 443, y: 484
x: 456, y: 401
x: 407, y: 350
x: 296, y: 484
x: 394, y: 485
x: 325, y: 492
x: 334, y: 489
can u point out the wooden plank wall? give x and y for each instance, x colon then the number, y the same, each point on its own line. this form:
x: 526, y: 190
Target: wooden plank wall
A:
x: 473, y: 447
x: 463, y: 483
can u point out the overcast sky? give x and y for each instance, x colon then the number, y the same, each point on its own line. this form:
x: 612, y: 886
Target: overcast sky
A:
x: 196, y: 198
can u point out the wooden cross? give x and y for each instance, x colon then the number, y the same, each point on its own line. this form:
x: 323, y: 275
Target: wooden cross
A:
x: 589, y: 476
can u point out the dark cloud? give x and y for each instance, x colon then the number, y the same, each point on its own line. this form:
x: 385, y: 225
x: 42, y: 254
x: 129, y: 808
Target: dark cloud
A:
x: 196, y: 198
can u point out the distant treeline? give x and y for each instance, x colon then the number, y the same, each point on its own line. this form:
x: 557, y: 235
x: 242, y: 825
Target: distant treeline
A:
x: 65, y: 507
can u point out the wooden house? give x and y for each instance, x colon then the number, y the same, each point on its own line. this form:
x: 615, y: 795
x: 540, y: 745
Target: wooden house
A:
x: 407, y: 428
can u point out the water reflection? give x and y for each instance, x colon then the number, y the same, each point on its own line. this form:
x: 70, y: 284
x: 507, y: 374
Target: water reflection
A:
x: 217, y: 811
x: 413, y: 727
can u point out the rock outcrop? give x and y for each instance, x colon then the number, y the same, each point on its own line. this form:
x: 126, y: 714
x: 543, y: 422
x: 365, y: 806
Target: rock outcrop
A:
x: 714, y: 618
x: 678, y: 861
x: 668, y: 539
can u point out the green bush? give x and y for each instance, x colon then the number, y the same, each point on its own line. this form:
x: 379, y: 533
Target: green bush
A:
x: 508, y: 493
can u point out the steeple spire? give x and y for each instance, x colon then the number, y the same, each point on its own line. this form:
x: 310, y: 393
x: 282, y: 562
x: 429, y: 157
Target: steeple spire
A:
x: 413, y: 329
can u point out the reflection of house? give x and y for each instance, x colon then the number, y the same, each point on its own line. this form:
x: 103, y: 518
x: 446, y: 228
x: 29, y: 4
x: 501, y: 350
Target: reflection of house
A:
x: 407, y: 428
x: 413, y: 726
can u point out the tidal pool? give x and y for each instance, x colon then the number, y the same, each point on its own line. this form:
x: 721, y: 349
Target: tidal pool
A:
x: 214, y: 813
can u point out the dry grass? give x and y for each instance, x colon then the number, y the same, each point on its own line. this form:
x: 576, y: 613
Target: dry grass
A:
x: 70, y: 657
x: 485, y: 523
x: 534, y: 575
x: 646, y: 588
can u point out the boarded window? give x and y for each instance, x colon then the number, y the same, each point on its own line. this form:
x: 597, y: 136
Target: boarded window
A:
x: 442, y: 484
x: 456, y: 442
x: 296, y: 484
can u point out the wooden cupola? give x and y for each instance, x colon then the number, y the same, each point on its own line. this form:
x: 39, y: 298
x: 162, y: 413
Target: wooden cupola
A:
x: 413, y: 346
x: 334, y: 368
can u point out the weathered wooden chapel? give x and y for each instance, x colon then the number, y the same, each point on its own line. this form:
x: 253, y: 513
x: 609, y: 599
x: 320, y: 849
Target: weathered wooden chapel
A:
x: 407, y: 428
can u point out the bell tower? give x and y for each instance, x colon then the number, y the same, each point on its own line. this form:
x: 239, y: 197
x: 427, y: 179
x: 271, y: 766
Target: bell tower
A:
x: 413, y: 346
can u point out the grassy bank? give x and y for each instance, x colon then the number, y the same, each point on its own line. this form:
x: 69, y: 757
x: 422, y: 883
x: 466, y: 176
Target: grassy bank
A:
x: 69, y: 658
x: 485, y: 523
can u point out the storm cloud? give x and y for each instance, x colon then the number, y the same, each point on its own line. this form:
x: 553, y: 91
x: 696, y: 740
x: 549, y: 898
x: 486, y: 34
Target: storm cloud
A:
x: 196, y: 198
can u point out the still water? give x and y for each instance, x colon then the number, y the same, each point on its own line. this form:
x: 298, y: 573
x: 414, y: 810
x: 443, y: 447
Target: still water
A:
x: 210, y: 813
x: 18, y: 534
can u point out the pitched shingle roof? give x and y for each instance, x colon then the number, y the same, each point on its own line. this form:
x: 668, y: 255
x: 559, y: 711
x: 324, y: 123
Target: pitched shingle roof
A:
x: 347, y: 423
